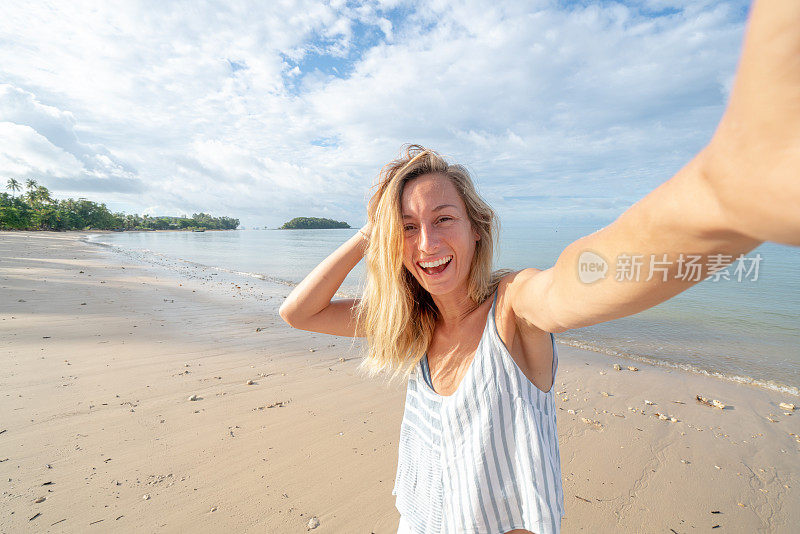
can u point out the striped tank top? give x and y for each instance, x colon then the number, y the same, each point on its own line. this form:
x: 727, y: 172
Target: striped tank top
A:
x: 484, y: 459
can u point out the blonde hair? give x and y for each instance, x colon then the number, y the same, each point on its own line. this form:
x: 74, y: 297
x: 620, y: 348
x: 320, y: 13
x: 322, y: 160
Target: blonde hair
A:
x: 398, y: 315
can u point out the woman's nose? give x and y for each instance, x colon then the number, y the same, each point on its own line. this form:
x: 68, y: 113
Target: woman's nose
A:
x: 428, y: 239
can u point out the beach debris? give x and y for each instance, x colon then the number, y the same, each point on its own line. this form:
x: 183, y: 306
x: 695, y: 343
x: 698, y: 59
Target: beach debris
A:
x: 617, y: 367
x: 685, y: 461
x: 313, y: 523
x: 249, y: 382
x: 605, y: 393
x: 632, y: 368
x: 48, y: 466
x: 146, y: 496
x: 718, y: 467
x: 649, y: 403
x: 259, y: 329
x: 771, y: 419
x: 581, y: 498
x: 59, y: 521
x: 278, y: 404
x: 787, y: 406
x: 194, y: 398
x: 597, y: 425
x: 40, y: 499
x: 34, y: 517
x: 715, y: 512
x: 714, y: 403
x: 678, y: 402
x: 341, y: 359
x: 312, y: 350
x: 571, y: 412
x: 665, y: 417
x: 213, y: 509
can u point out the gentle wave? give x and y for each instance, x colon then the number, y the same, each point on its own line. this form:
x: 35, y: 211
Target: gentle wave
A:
x: 766, y: 384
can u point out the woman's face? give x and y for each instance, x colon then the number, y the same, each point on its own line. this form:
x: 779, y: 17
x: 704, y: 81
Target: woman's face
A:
x: 438, y: 239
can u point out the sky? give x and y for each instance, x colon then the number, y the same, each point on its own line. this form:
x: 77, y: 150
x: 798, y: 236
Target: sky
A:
x: 264, y: 111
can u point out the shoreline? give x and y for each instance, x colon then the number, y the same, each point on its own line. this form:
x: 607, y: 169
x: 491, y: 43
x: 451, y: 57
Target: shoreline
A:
x: 96, y: 385
x: 792, y: 390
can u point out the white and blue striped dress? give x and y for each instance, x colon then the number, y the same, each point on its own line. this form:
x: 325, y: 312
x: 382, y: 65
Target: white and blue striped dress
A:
x: 485, y: 459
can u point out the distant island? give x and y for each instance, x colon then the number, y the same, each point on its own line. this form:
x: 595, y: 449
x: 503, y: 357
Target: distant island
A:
x: 37, y: 210
x: 308, y: 223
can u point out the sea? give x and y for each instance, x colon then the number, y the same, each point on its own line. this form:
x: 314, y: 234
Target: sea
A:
x: 740, y: 326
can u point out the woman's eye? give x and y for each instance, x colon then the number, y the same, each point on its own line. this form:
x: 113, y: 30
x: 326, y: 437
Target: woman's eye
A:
x: 442, y: 219
x: 408, y: 227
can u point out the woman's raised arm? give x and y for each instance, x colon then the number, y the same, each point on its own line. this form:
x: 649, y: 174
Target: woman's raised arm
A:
x: 309, y: 305
x: 739, y: 191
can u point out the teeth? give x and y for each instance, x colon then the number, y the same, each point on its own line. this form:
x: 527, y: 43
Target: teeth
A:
x: 428, y: 265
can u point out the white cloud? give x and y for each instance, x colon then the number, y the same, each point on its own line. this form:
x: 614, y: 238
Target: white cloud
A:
x: 265, y: 111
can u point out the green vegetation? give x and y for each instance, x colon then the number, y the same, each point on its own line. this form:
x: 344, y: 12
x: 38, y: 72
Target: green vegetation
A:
x: 312, y: 223
x: 36, y: 210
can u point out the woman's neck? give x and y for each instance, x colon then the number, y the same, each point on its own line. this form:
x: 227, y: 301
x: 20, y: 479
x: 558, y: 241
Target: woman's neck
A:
x: 453, y: 308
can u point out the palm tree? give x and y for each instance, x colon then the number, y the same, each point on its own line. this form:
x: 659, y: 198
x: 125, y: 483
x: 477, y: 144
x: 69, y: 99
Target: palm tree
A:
x: 31, y: 184
x: 42, y: 195
x: 13, y: 185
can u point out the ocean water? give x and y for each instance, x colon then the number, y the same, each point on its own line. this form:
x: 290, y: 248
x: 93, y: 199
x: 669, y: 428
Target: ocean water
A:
x: 746, y: 331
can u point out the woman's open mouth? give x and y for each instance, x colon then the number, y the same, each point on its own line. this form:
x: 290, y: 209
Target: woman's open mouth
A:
x: 435, y: 267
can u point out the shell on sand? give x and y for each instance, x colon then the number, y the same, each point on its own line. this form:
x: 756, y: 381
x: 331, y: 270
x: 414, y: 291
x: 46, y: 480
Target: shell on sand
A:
x: 787, y: 406
x: 313, y: 523
x: 617, y: 367
x: 713, y: 402
x: 591, y: 422
x: 665, y: 417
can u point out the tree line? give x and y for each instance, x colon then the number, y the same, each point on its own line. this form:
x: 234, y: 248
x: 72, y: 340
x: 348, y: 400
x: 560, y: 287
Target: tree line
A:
x: 312, y: 223
x: 35, y: 209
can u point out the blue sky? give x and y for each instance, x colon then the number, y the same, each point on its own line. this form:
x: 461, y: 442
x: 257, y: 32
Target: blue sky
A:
x: 564, y: 111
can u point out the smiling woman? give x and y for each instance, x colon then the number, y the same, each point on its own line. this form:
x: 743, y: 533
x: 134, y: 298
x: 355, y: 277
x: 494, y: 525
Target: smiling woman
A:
x: 478, y: 443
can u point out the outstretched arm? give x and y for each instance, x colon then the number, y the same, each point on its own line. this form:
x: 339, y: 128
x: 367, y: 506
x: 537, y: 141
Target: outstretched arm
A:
x: 739, y: 191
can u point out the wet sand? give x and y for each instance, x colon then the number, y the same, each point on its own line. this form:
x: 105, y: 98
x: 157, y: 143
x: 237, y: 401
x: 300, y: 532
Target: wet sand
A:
x: 101, y: 351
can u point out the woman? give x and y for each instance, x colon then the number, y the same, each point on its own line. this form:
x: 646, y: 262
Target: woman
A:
x: 479, y: 449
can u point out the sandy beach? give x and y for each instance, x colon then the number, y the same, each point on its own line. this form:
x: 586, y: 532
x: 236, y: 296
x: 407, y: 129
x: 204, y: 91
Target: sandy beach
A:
x: 101, y: 352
